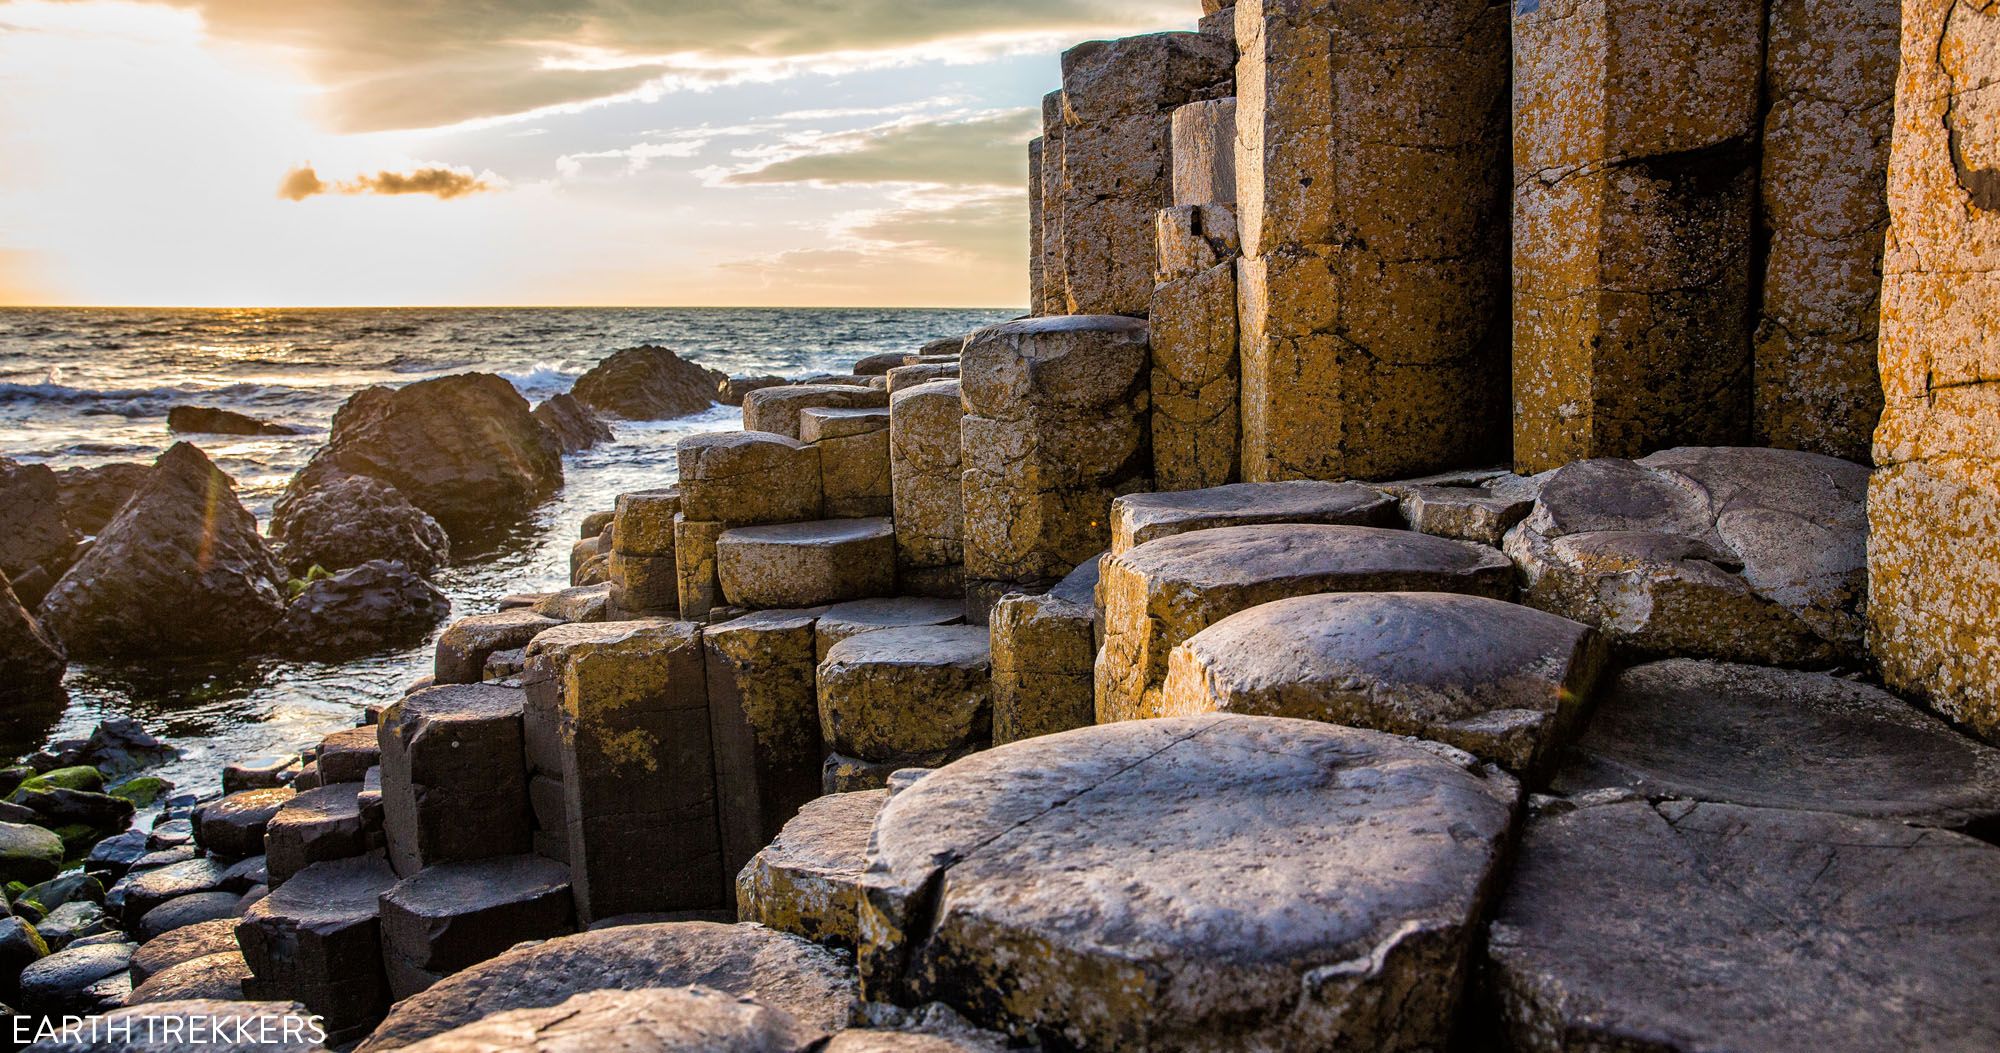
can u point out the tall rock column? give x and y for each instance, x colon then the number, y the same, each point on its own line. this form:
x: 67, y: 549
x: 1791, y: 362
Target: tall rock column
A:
x: 1050, y: 293
x: 1195, y: 376
x: 1635, y: 178
x: 1934, y: 503
x: 1371, y: 192
x: 1118, y: 98
x: 1830, y: 84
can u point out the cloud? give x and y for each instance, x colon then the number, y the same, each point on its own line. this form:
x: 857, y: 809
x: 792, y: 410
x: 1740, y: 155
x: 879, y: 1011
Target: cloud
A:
x: 436, y: 180
x: 392, y: 64
x: 983, y: 150
x: 930, y: 247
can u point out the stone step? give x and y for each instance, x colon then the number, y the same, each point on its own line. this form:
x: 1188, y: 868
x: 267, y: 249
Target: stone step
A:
x: 811, y: 983
x: 1777, y: 738
x: 1158, y: 594
x: 455, y: 915
x: 1469, y: 506
x: 853, y: 447
x: 1044, y: 653
x: 142, y: 890
x: 317, y: 940
x: 1139, y: 518
x: 806, y: 564
x: 181, y: 945
x: 1506, y: 683
x: 777, y: 410
x: 1799, y: 919
x: 927, y: 492
x: 191, y: 909
x: 807, y: 881
x: 234, y: 825
x: 462, y: 649
x: 844, y: 774
x: 854, y: 617
x: 1149, y: 879
x: 907, y: 694
x: 216, y: 976
x: 764, y: 719
x: 747, y: 478
x: 920, y: 373
x: 319, y: 824
x: 454, y: 785
x: 346, y: 756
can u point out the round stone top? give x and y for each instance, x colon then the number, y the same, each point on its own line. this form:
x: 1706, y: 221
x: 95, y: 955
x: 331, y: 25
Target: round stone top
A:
x: 1248, y: 555
x: 687, y: 1018
x: 1131, y: 884
x: 914, y: 645
x: 816, y: 532
x: 1139, y: 518
x: 1779, y: 738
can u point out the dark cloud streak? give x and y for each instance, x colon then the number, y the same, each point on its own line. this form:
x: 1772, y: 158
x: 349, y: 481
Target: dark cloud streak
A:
x: 437, y: 181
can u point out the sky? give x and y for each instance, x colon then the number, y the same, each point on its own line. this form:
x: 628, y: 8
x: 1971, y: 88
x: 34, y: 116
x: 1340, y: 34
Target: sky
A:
x: 528, y: 152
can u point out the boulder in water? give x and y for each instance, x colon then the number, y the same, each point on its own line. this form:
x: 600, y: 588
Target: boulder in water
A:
x: 92, y: 496
x: 31, y: 661
x: 648, y: 383
x: 376, y: 605
x: 208, y: 420
x: 181, y: 570
x: 329, y: 518
x: 36, y: 545
x: 463, y: 448
x: 571, y: 423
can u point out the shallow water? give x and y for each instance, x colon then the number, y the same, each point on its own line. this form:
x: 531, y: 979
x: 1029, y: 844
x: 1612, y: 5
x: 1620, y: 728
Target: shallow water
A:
x: 93, y: 386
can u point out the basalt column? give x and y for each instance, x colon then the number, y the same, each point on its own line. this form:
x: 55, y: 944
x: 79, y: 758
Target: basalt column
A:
x: 1195, y: 376
x: 1118, y: 98
x: 1830, y: 85
x: 1934, y: 503
x: 1049, y: 293
x: 1371, y: 189
x: 1635, y: 177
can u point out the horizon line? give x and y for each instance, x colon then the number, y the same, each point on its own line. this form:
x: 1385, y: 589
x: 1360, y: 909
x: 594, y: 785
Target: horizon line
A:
x: 501, y: 307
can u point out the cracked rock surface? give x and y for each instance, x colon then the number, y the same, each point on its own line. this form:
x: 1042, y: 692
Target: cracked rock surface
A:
x: 1216, y: 882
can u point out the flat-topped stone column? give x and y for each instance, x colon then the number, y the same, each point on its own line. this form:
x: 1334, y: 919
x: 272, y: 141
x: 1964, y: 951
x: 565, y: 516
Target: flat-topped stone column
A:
x: 1044, y: 649
x: 642, y: 567
x: 1371, y: 193
x: 1055, y: 429
x: 764, y: 721
x: 1051, y: 293
x: 1635, y: 174
x: 807, y: 881
x: 1934, y: 504
x: 805, y: 564
x: 853, y: 447
x: 776, y: 409
x: 454, y: 785
x: 924, y: 470
x: 1195, y: 372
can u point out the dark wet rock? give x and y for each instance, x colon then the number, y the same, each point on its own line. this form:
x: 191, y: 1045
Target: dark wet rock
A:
x: 453, y: 916
x: 139, y: 892
x: 334, y: 519
x: 571, y: 423
x: 208, y: 420
x: 647, y: 383
x: 1131, y: 886
x: 234, y: 825
x: 116, y: 745
x: 219, y: 976
x: 71, y: 922
x: 36, y: 545
x: 1685, y: 926
x: 110, y: 858
x: 170, y: 1027
x: 66, y: 887
x: 463, y: 448
x: 164, y: 857
x: 316, y: 939
x: 371, y: 607
x: 183, y: 911
x: 32, y: 660
x: 1777, y: 738
x: 346, y: 755
x: 91, y: 497
x: 260, y: 773
x: 100, y: 812
x: 322, y: 823
x: 78, y: 980
x: 245, y: 873
x: 681, y: 1018
x: 784, y: 972
x: 879, y: 365
x: 20, y: 946
x: 184, y: 944
x: 181, y: 570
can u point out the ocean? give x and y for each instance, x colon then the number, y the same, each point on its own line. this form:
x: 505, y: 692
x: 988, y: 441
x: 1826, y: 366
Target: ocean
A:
x: 92, y: 386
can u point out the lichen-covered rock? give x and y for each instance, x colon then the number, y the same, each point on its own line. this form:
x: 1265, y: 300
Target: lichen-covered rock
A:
x: 744, y: 478
x: 1044, y: 651
x: 1139, y: 518
x: 181, y: 570
x: 781, y: 971
x: 1734, y: 553
x: 1370, y: 190
x: 647, y: 383
x: 1195, y: 374
x: 31, y: 660
x: 1159, y: 594
x: 463, y: 647
x: 905, y: 693
x: 1635, y: 173
x: 1054, y: 431
x: 695, y: 570
x: 1135, y: 886
x: 855, y: 617
x: 921, y: 373
x: 587, y: 603
x: 806, y: 564
x: 570, y: 423
x: 1775, y: 738
x: 807, y: 881
x: 369, y: 607
x: 924, y: 470
x: 853, y: 447
x: 1204, y: 152
x: 463, y: 448
x: 1786, y: 924
x: 776, y: 410
x: 1934, y: 504
x: 1470, y: 506
x: 764, y: 716
x: 1506, y: 683
x: 28, y: 853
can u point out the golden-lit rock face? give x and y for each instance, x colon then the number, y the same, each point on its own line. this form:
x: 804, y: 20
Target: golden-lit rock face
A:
x: 808, y: 880
x: 1195, y: 377
x: 1830, y: 76
x: 1934, y: 505
x: 1635, y: 174
x: 1370, y: 185
x: 924, y: 473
